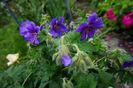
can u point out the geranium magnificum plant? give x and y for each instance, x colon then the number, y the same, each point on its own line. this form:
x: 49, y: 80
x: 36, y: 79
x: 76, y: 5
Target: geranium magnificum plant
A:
x: 77, y: 49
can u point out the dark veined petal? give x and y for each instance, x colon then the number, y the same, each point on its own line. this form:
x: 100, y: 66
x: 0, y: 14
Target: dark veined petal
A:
x: 98, y: 23
x: 33, y: 25
x: 33, y: 39
x: 66, y: 60
x: 63, y: 28
x: 81, y: 27
x: 53, y: 22
x: 23, y: 32
x: 24, y: 27
x: 59, y: 33
x: 54, y: 34
x: 37, y: 29
x: 27, y: 26
x: 61, y: 19
x: 36, y: 42
x: 92, y: 18
x: 29, y: 38
x: 84, y: 35
x: 91, y: 33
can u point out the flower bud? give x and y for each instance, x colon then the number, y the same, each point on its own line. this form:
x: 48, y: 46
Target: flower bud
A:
x: 49, y: 39
x: 67, y: 83
x: 82, y: 61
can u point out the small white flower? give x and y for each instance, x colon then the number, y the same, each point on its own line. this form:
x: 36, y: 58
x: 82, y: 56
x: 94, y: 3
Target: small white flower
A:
x: 12, y: 58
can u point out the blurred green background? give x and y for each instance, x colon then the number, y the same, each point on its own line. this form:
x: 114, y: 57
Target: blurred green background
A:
x: 10, y: 42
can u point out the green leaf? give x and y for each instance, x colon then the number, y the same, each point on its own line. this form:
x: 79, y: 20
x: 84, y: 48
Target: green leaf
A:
x: 125, y: 57
x: 16, y: 72
x: 85, y: 46
x: 44, y: 81
x: 105, y: 78
x: 72, y: 2
x: 85, y: 81
x: 72, y: 37
x: 55, y: 84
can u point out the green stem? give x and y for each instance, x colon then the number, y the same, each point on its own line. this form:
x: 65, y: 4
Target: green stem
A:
x: 62, y: 40
x: 91, y: 62
x: 103, y: 33
x: 76, y: 48
x: 26, y: 79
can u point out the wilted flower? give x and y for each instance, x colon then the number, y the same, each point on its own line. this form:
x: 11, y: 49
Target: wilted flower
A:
x: 128, y: 20
x: 128, y: 63
x: 29, y: 30
x: 12, y: 58
x: 111, y: 15
x: 66, y: 60
x: 89, y: 28
x: 57, y: 27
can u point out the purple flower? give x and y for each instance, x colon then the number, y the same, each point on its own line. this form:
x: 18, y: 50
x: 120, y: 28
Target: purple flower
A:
x: 57, y: 27
x: 29, y: 30
x: 89, y: 28
x: 128, y: 63
x: 66, y: 60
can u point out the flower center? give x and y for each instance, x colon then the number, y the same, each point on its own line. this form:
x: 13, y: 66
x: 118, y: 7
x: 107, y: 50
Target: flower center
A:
x: 34, y: 33
x: 86, y: 28
x: 56, y: 26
